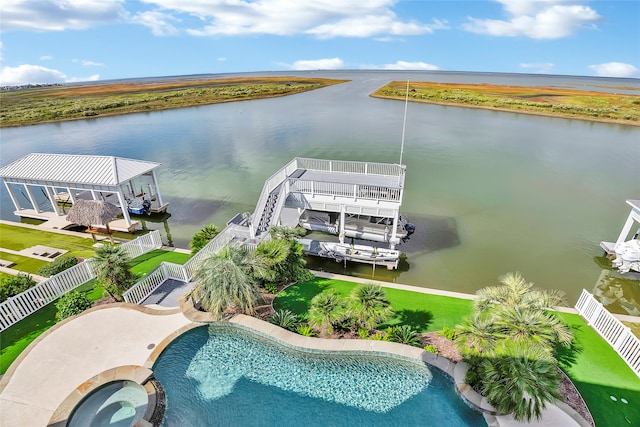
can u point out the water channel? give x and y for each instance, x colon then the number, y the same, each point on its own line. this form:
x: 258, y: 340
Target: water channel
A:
x: 490, y: 192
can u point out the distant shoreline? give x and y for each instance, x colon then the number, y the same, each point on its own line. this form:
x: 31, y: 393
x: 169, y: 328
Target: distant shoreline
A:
x: 51, y: 104
x: 539, y: 101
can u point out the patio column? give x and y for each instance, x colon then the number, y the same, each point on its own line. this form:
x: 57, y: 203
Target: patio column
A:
x: 93, y: 195
x: 393, y: 239
x: 72, y: 195
x: 155, y: 184
x: 32, y: 199
x: 14, y: 199
x: 625, y: 230
x: 52, y: 199
x: 342, y: 218
x: 123, y: 206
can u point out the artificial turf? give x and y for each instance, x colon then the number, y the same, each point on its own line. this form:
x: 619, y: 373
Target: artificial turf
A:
x: 23, y: 263
x: 423, y: 312
x: 19, y: 238
x: 17, y: 337
x: 601, y: 376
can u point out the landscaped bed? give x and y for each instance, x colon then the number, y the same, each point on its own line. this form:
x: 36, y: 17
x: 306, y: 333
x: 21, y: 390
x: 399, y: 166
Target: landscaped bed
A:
x: 600, y: 375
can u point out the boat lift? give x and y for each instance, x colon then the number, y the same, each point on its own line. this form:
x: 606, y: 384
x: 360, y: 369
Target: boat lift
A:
x: 626, y: 253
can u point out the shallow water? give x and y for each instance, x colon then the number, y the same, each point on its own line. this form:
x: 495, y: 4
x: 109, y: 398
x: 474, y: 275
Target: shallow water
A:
x: 490, y: 192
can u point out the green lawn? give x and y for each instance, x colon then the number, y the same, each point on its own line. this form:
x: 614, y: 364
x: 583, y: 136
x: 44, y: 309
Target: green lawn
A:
x: 593, y: 366
x: 423, y: 312
x: 23, y: 263
x: 18, y: 238
x: 599, y: 373
x: 17, y: 337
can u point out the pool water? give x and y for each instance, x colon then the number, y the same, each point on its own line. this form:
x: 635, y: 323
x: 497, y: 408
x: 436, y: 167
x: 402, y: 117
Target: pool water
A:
x: 116, y: 404
x: 223, y: 375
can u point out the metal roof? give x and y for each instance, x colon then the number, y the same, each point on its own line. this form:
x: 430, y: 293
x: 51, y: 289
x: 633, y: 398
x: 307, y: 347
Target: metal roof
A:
x: 78, y: 169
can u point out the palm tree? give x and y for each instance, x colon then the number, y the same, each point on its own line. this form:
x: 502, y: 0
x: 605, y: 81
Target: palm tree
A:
x: 326, y: 309
x: 517, y: 292
x: 228, y: 280
x: 275, y: 253
x: 111, y: 266
x: 369, y: 306
x: 520, y: 379
x: 202, y: 237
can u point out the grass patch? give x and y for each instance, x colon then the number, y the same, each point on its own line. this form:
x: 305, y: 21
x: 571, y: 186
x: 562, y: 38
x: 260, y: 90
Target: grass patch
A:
x: 19, y: 238
x: 23, y: 263
x: 423, y: 312
x: 599, y: 373
x: 571, y: 103
x: 17, y: 337
x: 58, y: 103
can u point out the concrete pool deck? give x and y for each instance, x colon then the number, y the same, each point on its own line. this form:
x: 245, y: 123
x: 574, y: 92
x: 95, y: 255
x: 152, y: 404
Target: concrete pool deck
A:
x: 64, y: 358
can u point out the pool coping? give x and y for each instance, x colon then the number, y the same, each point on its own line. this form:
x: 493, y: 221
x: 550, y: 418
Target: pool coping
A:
x: 455, y: 371
x: 138, y: 374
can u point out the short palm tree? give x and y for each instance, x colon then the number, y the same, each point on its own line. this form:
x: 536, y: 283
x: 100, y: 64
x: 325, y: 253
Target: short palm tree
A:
x: 227, y: 280
x: 111, y: 266
x: 202, y: 237
x: 326, y: 309
x: 369, y: 306
x: 275, y: 253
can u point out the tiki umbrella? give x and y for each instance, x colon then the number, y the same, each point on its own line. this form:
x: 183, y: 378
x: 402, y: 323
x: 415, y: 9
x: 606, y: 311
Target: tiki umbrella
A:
x: 93, y: 212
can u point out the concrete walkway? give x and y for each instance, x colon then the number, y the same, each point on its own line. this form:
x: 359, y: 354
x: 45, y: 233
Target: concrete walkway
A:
x: 68, y: 355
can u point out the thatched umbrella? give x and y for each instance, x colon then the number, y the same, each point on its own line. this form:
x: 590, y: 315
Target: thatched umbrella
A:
x: 93, y: 212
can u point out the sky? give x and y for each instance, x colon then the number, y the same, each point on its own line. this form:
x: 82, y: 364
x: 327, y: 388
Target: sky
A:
x: 63, y: 41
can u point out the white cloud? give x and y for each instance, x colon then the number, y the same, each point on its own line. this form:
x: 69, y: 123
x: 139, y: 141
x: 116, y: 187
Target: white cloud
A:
x: 542, y: 68
x: 58, y: 15
x: 318, y: 64
x: 221, y: 59
x: 615, y: 69
x: 321, y: 18
x: 537, y: 19
x: 158, y: 22
x: 86, y: 63
x: 35, y: 74
x: 46, y: 58
x: 404, y: 65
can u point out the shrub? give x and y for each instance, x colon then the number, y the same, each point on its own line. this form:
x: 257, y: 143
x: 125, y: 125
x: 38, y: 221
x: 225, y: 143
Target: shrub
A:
x: 58, y: 266
x: 202, y: 237
x: 285, y: 319
x: 364, y: 333
x: 431, y: 348
x: 14, y: 285
x: 448, y: 333
x: 272, y: 288
x: 72, y: 303
x: 306, y: 331
x: 379, y: 336
x: 405, y: 335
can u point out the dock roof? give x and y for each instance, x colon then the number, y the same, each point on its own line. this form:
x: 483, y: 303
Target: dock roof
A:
x: 76, y: 169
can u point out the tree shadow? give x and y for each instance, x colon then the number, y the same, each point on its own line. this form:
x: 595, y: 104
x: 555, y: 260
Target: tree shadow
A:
x: 418, y: 320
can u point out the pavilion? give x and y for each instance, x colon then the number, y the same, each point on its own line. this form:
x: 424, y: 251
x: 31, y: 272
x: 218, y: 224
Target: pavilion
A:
x: 69, y: 177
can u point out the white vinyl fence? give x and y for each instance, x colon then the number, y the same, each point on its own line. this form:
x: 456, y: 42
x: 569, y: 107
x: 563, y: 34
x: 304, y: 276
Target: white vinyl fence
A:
x: 611, y: 329
x: 20, y: 306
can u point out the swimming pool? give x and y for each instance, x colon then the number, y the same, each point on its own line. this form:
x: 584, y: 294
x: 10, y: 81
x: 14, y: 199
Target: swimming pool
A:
x: 224, y: 375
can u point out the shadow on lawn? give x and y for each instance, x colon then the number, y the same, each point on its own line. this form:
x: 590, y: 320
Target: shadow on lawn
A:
x: 418, y: 320
x: 568, y: 356
x: 297, y: 298
x: 611, y: 406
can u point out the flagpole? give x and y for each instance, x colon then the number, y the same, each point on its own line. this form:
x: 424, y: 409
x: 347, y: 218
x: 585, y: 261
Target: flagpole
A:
x: 404, y: 121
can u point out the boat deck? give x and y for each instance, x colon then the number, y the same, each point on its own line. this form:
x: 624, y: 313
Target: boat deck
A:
x: 351, y: 178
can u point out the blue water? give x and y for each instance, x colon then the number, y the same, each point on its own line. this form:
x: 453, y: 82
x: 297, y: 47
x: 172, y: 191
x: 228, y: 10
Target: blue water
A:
x: 221, y: 375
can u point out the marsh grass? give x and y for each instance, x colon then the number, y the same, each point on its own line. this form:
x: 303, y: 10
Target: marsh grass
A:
x: 50, y: 104
x: 587, y: 105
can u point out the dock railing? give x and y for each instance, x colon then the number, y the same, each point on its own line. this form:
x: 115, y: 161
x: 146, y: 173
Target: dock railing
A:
x: 345, y: 166
x: 25, y: 303
x: 619, y: 336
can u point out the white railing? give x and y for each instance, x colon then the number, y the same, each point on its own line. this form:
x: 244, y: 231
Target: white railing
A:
x: 355, y: 191
x: 217, y: 243
x: 146, y: 286
x: 343, y: 166
x: 20, y: 306
x: 611, y: 329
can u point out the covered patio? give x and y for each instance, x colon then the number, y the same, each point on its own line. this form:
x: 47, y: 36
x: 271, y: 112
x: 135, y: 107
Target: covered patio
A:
x: 65, y: 178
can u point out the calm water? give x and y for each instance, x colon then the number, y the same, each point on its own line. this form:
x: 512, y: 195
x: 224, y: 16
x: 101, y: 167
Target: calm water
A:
x: 490, y: 192
x: 227, y: 377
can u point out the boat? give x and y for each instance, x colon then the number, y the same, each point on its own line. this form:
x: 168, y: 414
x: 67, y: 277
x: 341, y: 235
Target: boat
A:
x: 364, y: 227
x: 625, y: 254
x: 371, y: 254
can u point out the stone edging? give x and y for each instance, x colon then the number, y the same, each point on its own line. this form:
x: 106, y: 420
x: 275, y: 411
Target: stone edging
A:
x: 138, y: 374
x: 455, y: 371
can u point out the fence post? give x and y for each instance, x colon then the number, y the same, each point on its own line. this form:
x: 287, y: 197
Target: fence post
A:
x: 14, y: 308
x: 55, y: 284
x: 621, y: 338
